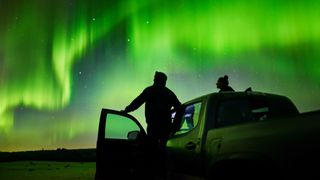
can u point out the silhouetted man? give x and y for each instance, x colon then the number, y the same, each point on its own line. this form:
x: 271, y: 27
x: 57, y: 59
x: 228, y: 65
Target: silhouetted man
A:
x: 223, y: 84
x: 159, y: 101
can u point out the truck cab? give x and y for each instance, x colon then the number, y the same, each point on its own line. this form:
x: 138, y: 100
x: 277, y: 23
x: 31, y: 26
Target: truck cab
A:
x: 200, y: 137
x: 193, y: 151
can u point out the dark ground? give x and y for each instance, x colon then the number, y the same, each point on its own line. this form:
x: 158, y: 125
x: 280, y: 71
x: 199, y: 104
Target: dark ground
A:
x: 62, y: 164
x: 61, y: 155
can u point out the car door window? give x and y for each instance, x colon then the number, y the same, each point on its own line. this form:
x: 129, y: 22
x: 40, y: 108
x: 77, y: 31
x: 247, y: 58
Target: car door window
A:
x: 233, y: 112
x: 242, y: 110
x: 259, y: 109
x: 118, y: 127
x: 190, y: 118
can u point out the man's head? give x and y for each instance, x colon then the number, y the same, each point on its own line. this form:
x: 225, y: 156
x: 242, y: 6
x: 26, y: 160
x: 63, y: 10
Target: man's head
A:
x: 222, y: 82
x: 160, y: 78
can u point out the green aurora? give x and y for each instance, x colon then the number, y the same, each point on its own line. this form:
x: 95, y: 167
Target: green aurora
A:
x: 62, y: 61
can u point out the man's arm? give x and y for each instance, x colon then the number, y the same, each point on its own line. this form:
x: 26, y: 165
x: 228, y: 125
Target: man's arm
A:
x: 176, y: 103
x: 136, y: 103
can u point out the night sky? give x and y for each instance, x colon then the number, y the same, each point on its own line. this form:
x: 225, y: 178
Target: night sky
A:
x: 61, y: 61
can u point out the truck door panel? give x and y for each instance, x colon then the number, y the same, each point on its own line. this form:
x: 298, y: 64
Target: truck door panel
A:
x: 120, y: 146
x: 183, y: 149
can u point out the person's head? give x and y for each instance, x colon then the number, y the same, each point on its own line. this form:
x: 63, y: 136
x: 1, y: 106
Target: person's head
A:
x: 222, y: 82
x: 160, y: 78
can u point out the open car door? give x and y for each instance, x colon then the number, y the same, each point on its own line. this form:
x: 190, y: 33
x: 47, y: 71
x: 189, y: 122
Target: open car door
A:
x: 122, y: 146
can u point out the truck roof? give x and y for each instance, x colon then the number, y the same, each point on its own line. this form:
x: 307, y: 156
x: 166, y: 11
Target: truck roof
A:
x: 242, y: 94
x: 279, y: 104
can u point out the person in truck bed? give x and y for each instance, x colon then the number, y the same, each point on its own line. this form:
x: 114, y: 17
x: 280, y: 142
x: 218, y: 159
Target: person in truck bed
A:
x: 223, y: 84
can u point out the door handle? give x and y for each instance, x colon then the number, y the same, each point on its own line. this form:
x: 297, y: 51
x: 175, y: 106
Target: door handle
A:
x: 190, y: 146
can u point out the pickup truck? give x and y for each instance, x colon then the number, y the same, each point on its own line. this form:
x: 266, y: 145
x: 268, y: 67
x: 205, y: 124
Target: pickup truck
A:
x: 216, y: 136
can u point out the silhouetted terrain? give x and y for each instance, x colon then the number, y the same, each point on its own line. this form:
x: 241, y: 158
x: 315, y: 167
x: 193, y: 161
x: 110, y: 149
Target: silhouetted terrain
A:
x: 72, y: 155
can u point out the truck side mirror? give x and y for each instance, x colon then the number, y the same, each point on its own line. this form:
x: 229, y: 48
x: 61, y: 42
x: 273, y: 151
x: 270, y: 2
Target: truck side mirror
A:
x: 133, y: 135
